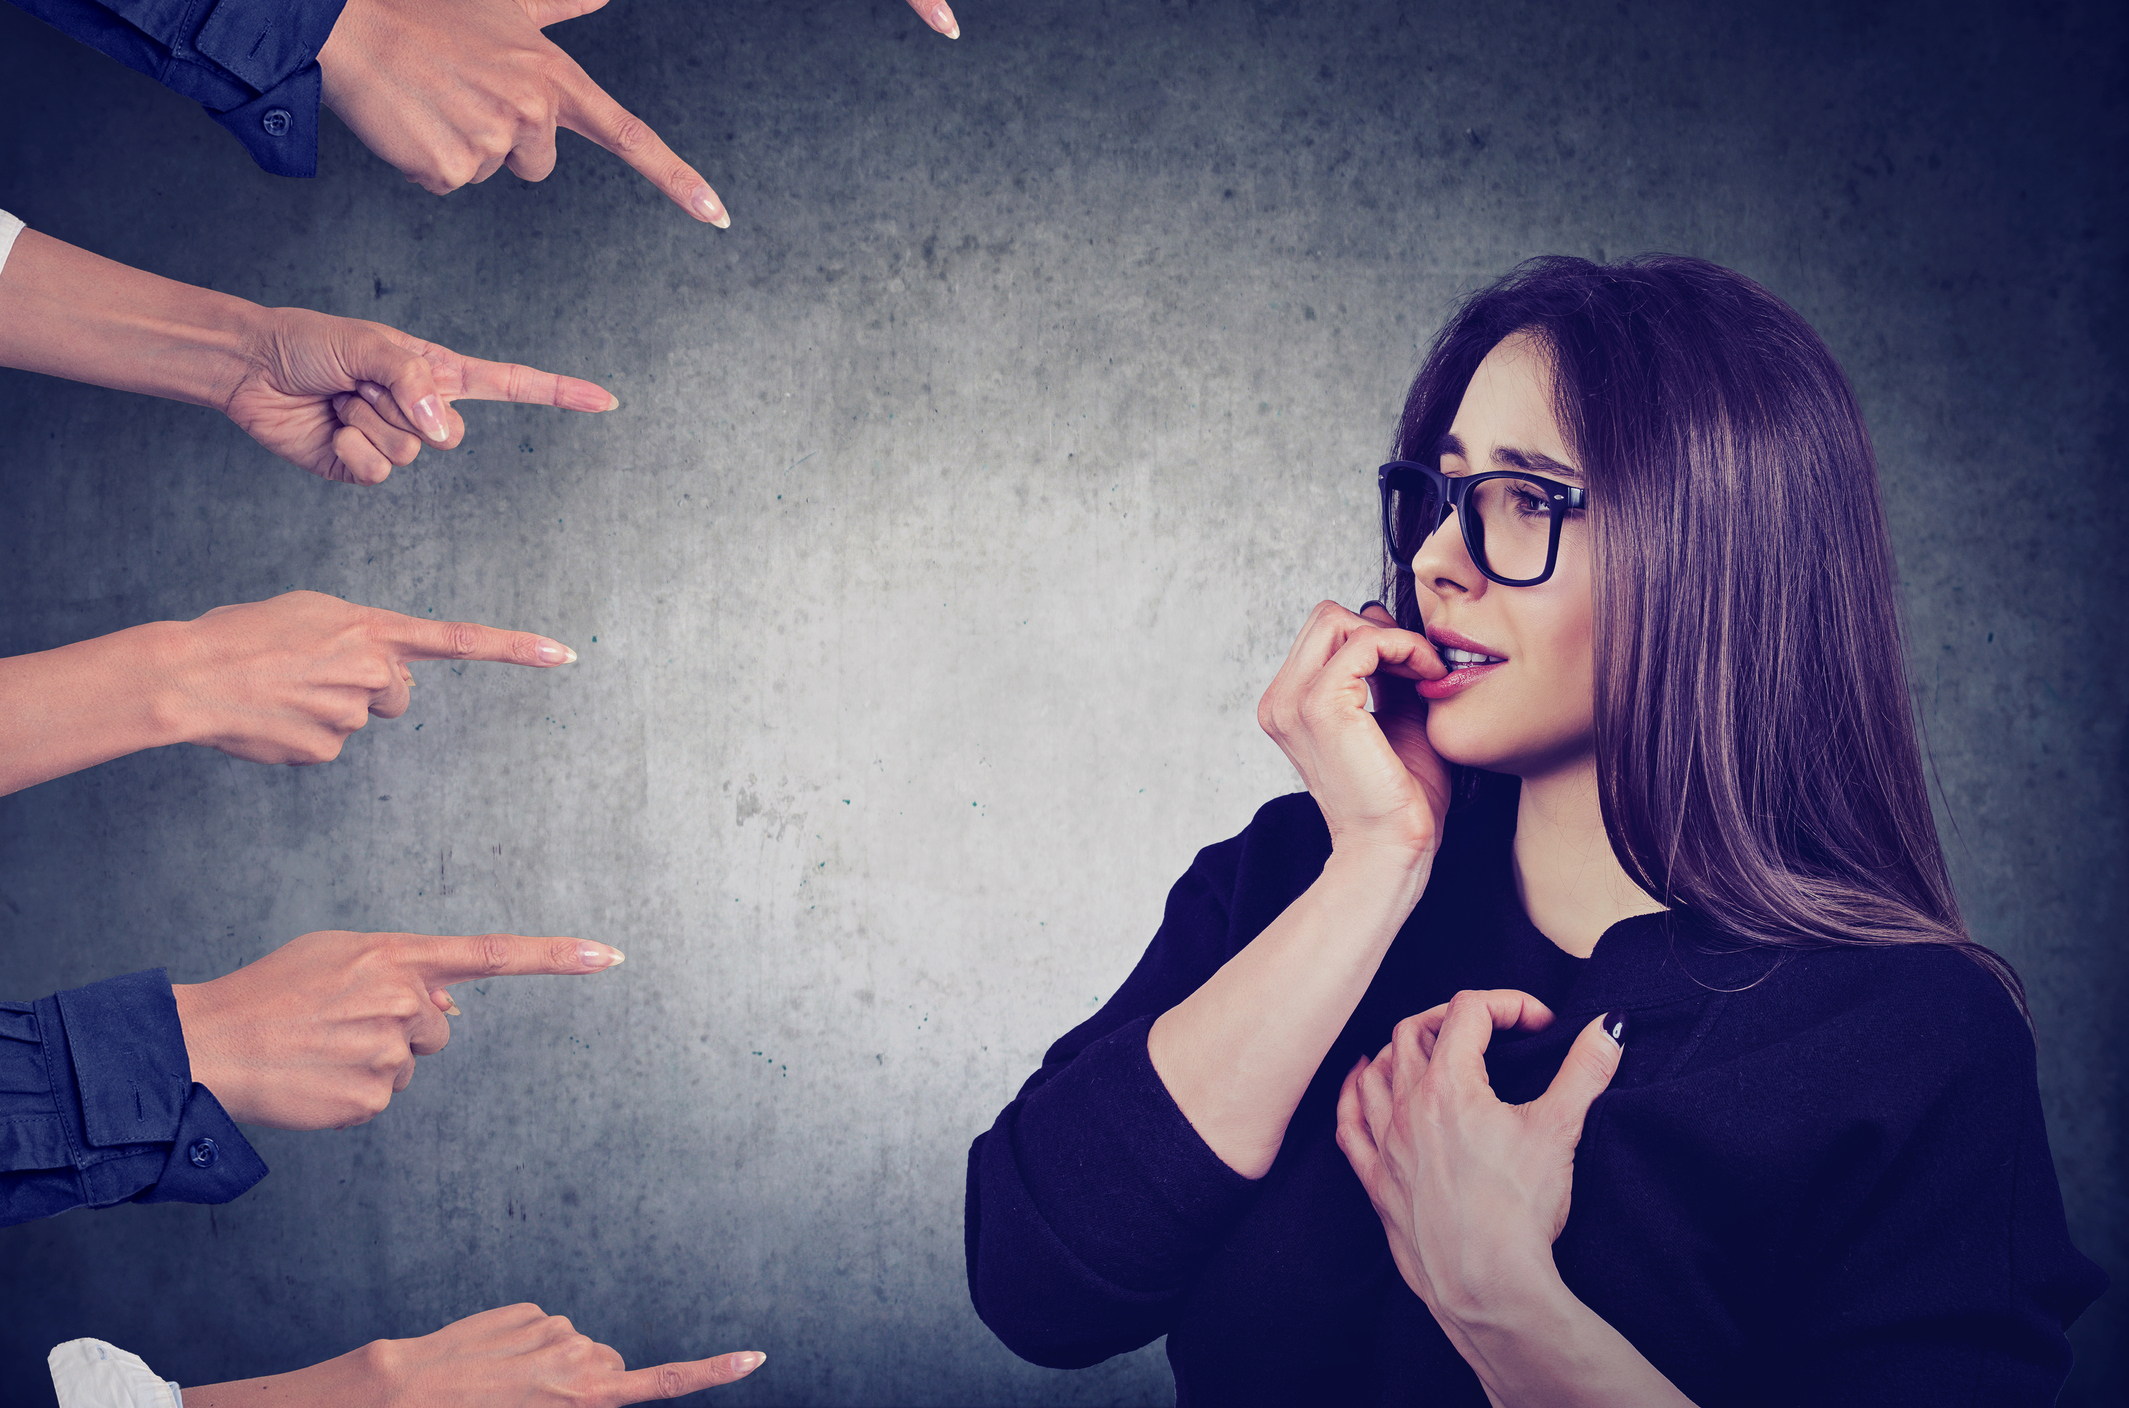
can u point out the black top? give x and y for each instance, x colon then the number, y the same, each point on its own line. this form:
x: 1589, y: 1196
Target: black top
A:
x: 1816, y: 1178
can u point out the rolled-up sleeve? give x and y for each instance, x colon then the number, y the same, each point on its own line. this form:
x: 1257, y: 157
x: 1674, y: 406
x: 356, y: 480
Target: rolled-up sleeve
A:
x: 1092, y: 1204
x: 98, y: 1106
x: 253, y: 64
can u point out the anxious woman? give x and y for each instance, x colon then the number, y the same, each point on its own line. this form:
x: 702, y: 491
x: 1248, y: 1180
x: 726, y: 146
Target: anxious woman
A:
x: 1599, y: 1027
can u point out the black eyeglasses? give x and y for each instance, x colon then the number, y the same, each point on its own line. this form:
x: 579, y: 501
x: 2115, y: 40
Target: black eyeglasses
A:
x: 1511, y: 519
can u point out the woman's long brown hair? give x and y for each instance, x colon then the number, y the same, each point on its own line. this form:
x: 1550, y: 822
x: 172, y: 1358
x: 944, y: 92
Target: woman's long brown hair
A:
x: 1757, y: 755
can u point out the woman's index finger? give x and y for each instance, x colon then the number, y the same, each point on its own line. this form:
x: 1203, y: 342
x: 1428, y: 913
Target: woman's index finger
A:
x: 673, y: 1380
x: 529, y: 386
x: 587, y: 110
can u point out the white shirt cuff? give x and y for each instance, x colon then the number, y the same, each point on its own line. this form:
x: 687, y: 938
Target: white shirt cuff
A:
x: 92, y: 1374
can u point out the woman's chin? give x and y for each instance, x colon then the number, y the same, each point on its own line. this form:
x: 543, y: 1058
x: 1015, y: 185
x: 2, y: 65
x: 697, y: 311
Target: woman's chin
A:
x: 1469, y: 747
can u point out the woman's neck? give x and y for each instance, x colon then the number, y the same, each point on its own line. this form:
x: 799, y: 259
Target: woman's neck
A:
x: 1571, y: 885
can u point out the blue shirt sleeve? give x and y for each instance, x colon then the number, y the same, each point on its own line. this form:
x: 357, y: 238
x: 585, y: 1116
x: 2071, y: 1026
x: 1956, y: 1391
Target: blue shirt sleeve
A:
x: 98, y: 1106
x: 253, y: 64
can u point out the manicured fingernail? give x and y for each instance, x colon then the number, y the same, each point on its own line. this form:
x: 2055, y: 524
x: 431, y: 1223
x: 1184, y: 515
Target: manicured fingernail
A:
x: 599, y: 956
x: 1364, y: 608
x: 553, y: 652
x: 942, y: 19
x: 704, y: 204
x: 429, y: 415
x: 612, y: 401
x: 1615, y: 1028
x: 747, y: 1363
x: 452, y: 1011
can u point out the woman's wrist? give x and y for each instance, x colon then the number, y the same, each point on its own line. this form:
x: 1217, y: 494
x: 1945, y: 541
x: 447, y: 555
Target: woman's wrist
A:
x: 1396, y: 871
x: 1532, y: 1341
x: 162, y: 658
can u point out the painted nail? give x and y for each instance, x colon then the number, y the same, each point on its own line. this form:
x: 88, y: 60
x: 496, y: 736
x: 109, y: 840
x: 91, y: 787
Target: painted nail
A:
x: 942, y: 19
x: 429, y: 415
x: 747, y: 1363
x: 1365, y: 605
x: 704, y: 204
x: 1615, y: 1028
x: 550, y: 652
x: 599, y: 956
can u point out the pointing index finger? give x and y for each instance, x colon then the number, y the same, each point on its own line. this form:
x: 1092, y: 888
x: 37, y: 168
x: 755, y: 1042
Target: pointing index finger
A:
x: 459, y: 958
x: 465, y: 640
x: 673, y: 1380
x: 529, y: 386
x: 587, y: 109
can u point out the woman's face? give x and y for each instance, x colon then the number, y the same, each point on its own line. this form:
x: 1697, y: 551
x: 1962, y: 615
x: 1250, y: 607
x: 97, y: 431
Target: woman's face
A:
x: 1533, y: 713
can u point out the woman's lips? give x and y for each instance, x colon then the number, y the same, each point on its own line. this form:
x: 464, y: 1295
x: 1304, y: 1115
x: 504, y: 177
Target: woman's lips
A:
x: 1456, y: 681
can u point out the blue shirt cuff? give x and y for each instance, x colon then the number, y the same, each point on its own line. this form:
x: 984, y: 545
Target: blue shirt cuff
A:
x: 209, y: 1161
x: 141, y: 1116
x: 280, y: 126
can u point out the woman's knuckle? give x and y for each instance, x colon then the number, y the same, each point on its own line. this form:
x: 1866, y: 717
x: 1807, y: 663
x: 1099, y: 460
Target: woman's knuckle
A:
x: 631, y: 134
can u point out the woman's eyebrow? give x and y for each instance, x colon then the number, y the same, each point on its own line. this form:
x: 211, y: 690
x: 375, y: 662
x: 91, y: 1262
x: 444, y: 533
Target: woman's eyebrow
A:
x: 1529, y: 461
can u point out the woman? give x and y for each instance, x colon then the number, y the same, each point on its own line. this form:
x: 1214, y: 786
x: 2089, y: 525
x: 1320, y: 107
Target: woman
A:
x: 1641, y: 794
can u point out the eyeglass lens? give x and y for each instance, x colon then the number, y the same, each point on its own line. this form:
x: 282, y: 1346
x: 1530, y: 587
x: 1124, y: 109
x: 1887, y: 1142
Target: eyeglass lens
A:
x: 1511, y: 529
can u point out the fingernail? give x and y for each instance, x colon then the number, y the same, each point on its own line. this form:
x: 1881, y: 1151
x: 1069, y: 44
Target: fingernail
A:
x: 599, y: 956
x: 942, y: 19
x: 1615, y: 1028
x: 704, y: 204
x: 612, y: 401
x: 452, y: 1011
x: 429, y: 415
x: 1364, y: 608
x: 370, y: 391
x: 747, y: 1363
x: 553, y: 652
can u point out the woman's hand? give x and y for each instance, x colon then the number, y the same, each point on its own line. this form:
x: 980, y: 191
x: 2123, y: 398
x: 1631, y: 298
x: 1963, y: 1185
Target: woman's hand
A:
x: 348, y: 400
x: 286, y: 680
x: 1381, y: 786
x: 324, y: 1031
x: 278, y: 681
x: 451, y: 91
x: 515, y: 1357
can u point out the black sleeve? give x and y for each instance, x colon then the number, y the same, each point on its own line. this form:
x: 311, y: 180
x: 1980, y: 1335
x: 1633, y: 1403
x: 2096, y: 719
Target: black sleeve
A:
x: 1092, y: 1203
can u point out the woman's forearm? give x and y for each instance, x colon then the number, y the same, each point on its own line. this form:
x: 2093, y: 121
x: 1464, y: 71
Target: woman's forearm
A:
x: 1536, y: 1345
x: 83, y: 704
x: 69, y: 313
x: 1237, y: 1054
x: 350, y: 1381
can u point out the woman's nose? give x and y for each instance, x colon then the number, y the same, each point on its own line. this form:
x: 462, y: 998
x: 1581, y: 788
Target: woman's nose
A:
x: 1443, y: 562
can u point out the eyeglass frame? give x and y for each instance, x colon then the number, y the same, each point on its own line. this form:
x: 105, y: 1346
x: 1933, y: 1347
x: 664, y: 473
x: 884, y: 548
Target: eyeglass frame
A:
x: 1454, y: 489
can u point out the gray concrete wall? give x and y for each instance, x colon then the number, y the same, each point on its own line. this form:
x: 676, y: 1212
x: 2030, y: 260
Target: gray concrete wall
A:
x: 964, y: 497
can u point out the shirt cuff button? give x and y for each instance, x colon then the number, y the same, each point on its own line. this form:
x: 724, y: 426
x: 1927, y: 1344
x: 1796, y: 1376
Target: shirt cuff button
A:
x: 277, y: 121
x: 203, y: 1153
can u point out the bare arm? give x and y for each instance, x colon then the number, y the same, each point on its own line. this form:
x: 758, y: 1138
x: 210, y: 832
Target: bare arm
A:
x: 279, y: 681
x: 517, y: 1356
x: 342, y: 398
x: 1238, y: 1053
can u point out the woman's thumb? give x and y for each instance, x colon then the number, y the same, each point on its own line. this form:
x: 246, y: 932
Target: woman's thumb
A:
x: 372, y: 356
x: 1590, y: 1065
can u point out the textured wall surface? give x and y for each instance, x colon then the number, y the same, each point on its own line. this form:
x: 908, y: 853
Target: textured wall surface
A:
x: 963, y: 498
